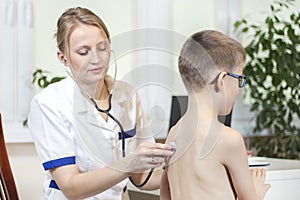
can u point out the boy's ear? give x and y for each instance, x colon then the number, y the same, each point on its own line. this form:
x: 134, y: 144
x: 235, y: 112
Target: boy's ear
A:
x: 219, y: 83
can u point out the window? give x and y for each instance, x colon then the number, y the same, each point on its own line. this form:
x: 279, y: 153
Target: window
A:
x: 16, y: 64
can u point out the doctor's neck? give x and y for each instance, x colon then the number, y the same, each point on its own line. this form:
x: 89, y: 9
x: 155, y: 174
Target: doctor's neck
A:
x: 99, y: 91
x: 102, y: 91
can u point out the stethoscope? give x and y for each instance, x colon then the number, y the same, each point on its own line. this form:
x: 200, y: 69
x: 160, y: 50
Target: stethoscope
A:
x: 107, y: 112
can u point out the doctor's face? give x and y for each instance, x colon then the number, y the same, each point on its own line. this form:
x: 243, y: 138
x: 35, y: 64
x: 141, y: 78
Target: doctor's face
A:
x: 89, y: 54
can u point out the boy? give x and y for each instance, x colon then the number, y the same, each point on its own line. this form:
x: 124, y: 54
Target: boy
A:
x: 210, y: 161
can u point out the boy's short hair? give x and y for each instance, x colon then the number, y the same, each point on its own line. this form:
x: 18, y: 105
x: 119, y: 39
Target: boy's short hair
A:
x: 206, y: 52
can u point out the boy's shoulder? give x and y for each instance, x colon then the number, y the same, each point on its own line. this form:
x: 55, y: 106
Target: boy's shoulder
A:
x: 231, y: 133
x: 231, y: 136
x: 231, y: 140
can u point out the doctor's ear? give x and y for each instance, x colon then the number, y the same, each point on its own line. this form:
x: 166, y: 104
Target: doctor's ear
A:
x: 219, y: 82
x: 61, y: 58
x: 65, y: 62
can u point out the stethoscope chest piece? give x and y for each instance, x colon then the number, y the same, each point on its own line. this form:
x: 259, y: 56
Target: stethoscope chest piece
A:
x: 173, y: 146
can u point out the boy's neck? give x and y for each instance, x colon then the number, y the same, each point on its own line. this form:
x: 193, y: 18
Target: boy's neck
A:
x: 202, y: 105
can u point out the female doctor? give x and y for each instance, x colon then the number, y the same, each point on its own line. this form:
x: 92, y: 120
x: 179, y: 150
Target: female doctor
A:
x: 81, y: 148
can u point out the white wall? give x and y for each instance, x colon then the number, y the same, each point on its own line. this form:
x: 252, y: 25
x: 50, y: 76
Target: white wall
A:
x: 187, y: 18
x: 117, y: 15
x: 191, y: 16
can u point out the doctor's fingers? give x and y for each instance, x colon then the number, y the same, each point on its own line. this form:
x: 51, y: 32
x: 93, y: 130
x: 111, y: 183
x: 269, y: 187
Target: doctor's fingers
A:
x: 149, y: 145
x: 153, y: 151
x: 142, y: 163
x: 156, y: 160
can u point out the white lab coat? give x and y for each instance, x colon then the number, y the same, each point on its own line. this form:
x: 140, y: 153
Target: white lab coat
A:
x: 67, y: 129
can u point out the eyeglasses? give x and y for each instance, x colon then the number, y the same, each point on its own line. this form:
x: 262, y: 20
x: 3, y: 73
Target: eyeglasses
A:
x: 242, y: 79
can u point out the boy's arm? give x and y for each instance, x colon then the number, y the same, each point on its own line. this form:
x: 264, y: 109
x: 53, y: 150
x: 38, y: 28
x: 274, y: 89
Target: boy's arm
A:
x: 236, y: 161
x: 164, y: 187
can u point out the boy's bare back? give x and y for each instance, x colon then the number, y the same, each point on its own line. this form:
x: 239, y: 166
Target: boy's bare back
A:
x: 209, y: 162
x: 199, y: 172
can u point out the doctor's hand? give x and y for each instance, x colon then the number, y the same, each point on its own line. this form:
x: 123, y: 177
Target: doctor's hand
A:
x: 147, y: 156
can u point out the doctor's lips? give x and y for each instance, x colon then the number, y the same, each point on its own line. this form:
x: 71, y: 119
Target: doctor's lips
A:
x: 97, y: 70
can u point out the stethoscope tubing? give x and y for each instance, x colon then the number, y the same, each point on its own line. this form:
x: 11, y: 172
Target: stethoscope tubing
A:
x: 106, y: 111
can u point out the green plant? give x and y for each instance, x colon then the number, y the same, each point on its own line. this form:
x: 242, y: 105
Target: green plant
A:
x: 273, y: 71
x: 43, y: 78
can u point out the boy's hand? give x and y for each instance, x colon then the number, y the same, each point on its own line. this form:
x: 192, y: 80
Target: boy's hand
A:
x: 258, y: 178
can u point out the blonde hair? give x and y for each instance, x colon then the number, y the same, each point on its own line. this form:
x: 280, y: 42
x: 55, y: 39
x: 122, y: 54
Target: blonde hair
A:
x: 205, y: 52
x: 70, y: 19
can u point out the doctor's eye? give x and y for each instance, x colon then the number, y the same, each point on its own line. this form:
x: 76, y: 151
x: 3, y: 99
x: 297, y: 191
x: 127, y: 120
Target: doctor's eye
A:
x: 83, y: 52
x: 102, y: 47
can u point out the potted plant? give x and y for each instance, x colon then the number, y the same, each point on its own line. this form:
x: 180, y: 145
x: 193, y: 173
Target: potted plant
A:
x: 273, y: 85
x: 42, y: 79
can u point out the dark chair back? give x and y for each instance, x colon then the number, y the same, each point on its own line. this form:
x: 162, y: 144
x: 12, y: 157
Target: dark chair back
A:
x: 8, y: 190
x: 179, y: 106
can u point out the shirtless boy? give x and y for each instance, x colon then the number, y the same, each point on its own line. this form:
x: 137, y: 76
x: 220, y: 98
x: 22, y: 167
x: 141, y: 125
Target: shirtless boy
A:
x: 210, y: 161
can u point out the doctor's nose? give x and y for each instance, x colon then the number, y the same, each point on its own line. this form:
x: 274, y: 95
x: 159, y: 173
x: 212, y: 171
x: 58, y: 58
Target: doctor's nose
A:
x: 94, y: 58
x: 97, y: 57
